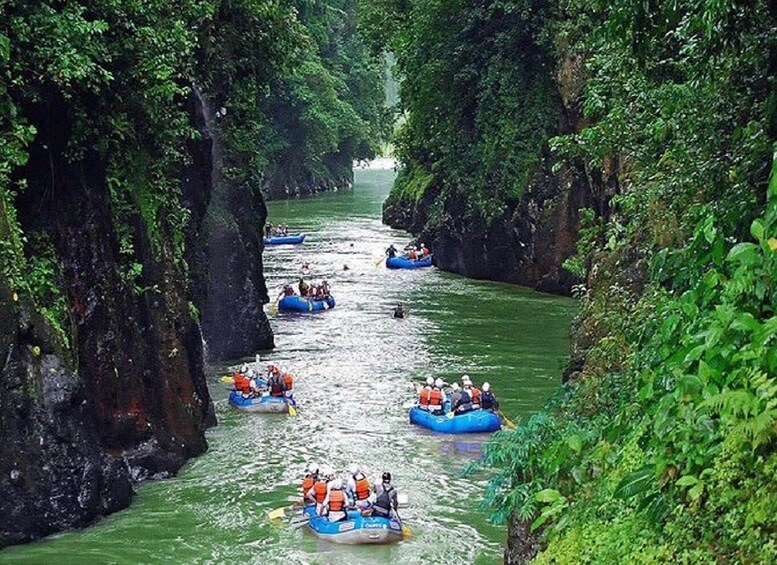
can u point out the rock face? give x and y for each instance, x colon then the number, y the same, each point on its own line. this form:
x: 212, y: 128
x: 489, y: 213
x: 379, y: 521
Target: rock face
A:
x: 525, y: 245
x: 126, y: 398
x: 286, y: 180
x: 226, y: 247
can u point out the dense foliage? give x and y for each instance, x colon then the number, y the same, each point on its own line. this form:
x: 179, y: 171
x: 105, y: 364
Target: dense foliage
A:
x: 478, y: 99
x: 662, y: 445
x: 291, y: 82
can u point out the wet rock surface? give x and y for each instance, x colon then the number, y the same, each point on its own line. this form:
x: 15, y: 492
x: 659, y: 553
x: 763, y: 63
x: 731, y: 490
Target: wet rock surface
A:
x: 124, y: 397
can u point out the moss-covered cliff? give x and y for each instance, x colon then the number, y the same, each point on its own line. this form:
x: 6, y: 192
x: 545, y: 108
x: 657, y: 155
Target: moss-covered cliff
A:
x: 483, y: 92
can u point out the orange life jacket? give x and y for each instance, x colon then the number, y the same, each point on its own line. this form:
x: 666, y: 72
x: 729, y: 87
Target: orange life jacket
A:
x: 475, y: 395
x: 320, y: 491
x: 336, y: 501
x: 288, y: 378
x: 362, y: 488
x: 435, y: 397
x: 425, y: 394
x: 242, y: 383
x: 307, y: 484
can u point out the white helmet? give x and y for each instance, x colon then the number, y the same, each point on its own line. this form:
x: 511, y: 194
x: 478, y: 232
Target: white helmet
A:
x: 430, y: 380
x: 328, y: 471
x: 353, y: 468
x: 438, y: 383
x: 486, y: 387
x: 250, y: 373
x: 243, y: 368
x: 466, y: 380
x: 312, y: 468
x: 455, y: 386
x: 337, y: 484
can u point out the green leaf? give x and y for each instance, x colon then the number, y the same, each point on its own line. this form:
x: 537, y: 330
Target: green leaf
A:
x: 539, y: 521
x: 575, y: 443
x: 757, y: 229
x: 696, y: 491
x: 687, y: 480
x: 5, y: 48
x: 548, y: 495
x: 635, y: 483
x: 709, y: 231
x: 745, y: 253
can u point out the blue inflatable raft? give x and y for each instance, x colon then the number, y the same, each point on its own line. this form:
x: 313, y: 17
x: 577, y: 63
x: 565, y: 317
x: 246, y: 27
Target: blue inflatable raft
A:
x: 276, y: 404
x: 405, y: 263
x: 285, y: 240
x: 476, y: 421
x: 296, y: 303
x: 357, y: 529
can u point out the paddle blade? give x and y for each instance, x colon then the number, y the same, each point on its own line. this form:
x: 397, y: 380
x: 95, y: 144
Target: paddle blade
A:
x: 227, y: 379
x: 510, y: 425
x: 406, y: 532
x: 278, y: 513
x: 450, y: 415
x: 379, y: 261
x: 292, y: 411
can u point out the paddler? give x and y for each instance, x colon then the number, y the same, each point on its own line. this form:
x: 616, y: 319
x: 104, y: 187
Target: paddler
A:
x: 386, y: 502
x: 359, y: 487
x: 335, y: 502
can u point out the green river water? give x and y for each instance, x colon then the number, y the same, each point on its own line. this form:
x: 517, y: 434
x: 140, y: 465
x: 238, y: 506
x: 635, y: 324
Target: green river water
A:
x: 354, y: 366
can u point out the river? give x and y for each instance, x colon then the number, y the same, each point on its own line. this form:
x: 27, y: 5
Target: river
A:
x: 354, y: 367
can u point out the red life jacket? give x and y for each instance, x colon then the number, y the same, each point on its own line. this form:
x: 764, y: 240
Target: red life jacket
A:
x: 320, y: 491
x: 336, y: 501
x: 242, y: 383
x: 307, y: 484
x: 288, y: 378
x: 435, y: 397
x: 362, y: 488
x: 425, y: 394
x: 475, y: 395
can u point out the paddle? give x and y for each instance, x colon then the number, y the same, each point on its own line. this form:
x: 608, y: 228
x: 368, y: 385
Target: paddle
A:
x: 292, y: 410
x: 379, y: 261
x: 510, y: 425
x: 281, y: 512
x: 227, y: 379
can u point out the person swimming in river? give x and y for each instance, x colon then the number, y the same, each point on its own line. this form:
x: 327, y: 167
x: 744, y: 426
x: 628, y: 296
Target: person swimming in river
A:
x: 399, y: 310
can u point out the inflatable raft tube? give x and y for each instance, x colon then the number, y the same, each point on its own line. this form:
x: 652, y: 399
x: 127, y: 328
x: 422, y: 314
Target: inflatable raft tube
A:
x: 476, y: 421
x: 404, y: 263
x: 274, y: 404
x: 356, y: 530
x: 298, y: 304
x: 285, y: 240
